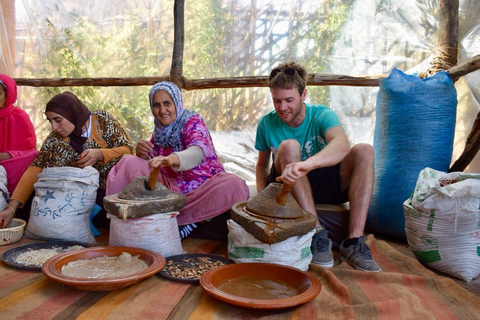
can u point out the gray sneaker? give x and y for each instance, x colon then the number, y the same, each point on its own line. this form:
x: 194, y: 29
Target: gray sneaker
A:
x: 359, y: 256
x: 322, y: 249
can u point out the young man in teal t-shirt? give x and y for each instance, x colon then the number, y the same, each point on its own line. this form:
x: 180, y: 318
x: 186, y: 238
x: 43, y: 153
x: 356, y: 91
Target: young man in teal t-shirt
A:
x: 311, y: 152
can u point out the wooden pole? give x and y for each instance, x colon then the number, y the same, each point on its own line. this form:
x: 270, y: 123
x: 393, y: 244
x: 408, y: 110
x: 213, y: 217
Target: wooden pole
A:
x: 447, y: 46
x: 472, y: 145
x: 198, y: 84
x: 178, y: 43
x: 448, y: 27
x: 464, y: 68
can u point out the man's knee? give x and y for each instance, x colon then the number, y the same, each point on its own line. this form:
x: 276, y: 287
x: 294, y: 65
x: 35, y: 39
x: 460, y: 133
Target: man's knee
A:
x: 360, y: 157
x: 362, y: 152
x: 290, y: 144
x: 289, y: 149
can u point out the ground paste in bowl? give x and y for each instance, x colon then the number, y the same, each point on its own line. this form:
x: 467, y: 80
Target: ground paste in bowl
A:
x: 105, y: 267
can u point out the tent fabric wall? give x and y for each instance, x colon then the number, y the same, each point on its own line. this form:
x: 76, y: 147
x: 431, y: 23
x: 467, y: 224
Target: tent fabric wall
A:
x: 7, y: 37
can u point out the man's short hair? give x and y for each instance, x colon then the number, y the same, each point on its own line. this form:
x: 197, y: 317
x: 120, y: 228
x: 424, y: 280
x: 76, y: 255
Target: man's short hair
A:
x: 288, y: 75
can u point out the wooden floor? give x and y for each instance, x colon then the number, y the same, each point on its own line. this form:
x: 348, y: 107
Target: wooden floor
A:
x: 405, y: 290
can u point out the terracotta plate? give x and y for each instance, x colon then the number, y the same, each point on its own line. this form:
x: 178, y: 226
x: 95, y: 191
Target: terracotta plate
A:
x: 52, y: 268
x: 9, y: 257
x: 261, y: 285
x: 187, y: 261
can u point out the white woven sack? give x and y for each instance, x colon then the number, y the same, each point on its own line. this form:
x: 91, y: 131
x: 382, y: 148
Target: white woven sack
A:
x: 445, y: 242
x: 244, y: 247
x: 443, y: 224
x: 3, y: 188
x: 157, y: 232
x: 459, y: 197
x: 64, y: 198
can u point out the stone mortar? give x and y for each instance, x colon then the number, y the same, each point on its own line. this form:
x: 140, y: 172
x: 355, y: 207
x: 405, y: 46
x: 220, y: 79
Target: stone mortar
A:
x: 136, y: 201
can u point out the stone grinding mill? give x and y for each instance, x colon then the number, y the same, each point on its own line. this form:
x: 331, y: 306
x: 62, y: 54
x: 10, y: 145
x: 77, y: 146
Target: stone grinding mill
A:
x: 142, y: 197
x: 273, y: 215
x: 144, y: 215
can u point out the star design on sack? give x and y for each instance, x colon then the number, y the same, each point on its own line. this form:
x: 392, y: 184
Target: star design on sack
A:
x: 48, y: 195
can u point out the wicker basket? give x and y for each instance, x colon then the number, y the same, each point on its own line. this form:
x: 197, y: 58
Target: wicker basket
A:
x: 13, y: 232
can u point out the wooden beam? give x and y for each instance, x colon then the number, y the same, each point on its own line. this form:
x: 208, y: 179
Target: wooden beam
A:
x: 93, y: 82
x: 464, y: 68
x: 314, y: 79
x: 472, y: 146
x: 198, y: 84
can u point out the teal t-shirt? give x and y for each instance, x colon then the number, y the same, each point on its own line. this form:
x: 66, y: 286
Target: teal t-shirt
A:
x: 271, y: 130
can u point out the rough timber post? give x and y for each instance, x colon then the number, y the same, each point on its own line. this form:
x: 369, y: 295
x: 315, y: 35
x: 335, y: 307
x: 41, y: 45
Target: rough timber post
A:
x: 448, y: 27
x: 447, y: 47
x: 178, y: 43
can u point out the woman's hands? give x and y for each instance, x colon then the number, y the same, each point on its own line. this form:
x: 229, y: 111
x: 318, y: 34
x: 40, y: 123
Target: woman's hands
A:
x: 5, y: 216
x: 171, y: 160
x: 89, y: 157
x: 143, y: 149
x: 8, y: 213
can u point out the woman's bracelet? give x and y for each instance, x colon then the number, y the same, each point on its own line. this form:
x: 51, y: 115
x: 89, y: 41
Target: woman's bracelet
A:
x: 13, y: 210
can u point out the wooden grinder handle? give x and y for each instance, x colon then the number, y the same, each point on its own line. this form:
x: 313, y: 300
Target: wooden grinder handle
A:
x: 152, y: 178
x: 282, y: 195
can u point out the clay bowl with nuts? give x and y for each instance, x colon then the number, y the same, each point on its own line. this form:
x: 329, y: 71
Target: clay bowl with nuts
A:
x: 52, y: 268
x: 189, y: 267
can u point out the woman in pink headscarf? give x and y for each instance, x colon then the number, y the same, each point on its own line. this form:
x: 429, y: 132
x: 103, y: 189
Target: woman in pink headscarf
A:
x: 17, y: 135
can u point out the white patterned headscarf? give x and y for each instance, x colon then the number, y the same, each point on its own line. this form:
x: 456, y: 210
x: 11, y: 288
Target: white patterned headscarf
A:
x: 169, y: 136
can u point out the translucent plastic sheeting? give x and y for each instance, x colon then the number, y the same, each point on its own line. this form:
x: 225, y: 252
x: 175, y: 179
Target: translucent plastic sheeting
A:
x: 380, y: 35
x: 228, y: 38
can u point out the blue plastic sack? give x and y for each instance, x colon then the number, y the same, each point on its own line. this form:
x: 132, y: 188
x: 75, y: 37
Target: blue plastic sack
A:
x: 96, y: 209
x: 414, y: 129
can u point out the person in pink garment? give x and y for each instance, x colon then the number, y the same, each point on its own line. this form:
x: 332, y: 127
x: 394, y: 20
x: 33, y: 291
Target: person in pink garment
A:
x: 182, y: 147
x: 17, y: 135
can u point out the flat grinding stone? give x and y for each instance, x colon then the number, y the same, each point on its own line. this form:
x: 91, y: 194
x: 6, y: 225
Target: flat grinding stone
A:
x: 136, y: 201
x: 272, y: 230
x: 265, y: 204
